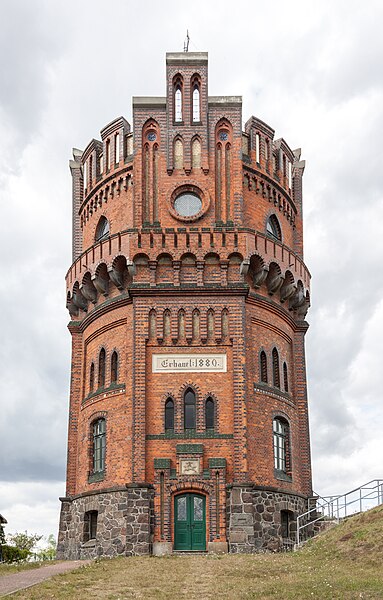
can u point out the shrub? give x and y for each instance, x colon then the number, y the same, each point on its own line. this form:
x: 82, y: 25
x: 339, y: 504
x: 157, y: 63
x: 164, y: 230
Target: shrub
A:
x: 12, y: 554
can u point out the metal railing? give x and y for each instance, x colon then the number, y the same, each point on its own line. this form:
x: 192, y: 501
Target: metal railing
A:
x: 334, y: 508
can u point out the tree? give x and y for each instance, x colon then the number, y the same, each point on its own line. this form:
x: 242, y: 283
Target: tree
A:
x: 24, y: 541
x: 49, y: 552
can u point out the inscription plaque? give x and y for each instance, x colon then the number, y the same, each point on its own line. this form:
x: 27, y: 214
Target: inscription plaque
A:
x: 183, y: 363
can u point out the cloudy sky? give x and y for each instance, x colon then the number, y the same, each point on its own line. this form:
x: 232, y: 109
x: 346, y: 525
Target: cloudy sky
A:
x: 313, y: 71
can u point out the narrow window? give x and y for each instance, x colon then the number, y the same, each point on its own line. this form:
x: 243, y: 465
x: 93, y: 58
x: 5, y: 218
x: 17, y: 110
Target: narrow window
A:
x: 209, y: 413
x: 273, y: 229
x: 290, y: 175
x: 91, y: 378
x: 84, y: 175
x: 189, y: 410
x: 196, y: 104
x: 257, y: 147
x: 169, y: 415
x: 285, y: 378
x: 196, y: 154
x: 267, y: 150
x: 276, y: 377
x: 117, y: 148
x: 178, y: 154
x: 101, y: 164
x: 263, y: 361
x: 285, y: 523
x: 102, y: 229
x: 90, y: 525
x: 178, y: 104
x: 90, y: 172
x: 114, y: 368
x: 101, y: 369
x: 99, y: 446
x: 281, y: 442
x: 107, y: 152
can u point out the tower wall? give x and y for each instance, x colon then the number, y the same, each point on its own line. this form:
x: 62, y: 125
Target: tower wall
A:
x: 187, y: 303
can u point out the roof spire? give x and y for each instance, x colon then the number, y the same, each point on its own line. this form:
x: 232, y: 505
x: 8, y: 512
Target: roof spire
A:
x: 186, y: 42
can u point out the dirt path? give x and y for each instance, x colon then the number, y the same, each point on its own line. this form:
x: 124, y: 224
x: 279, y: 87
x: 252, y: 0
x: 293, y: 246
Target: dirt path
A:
x: 24, y: 579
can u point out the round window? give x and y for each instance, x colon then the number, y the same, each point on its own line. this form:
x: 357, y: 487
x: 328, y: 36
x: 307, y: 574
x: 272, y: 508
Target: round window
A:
x: 188, y: 204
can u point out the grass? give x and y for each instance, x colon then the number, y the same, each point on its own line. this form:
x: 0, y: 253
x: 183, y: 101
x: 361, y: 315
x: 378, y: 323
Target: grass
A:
x: 344, y: 563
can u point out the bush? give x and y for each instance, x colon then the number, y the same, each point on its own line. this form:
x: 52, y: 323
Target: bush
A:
x: 12, y: 554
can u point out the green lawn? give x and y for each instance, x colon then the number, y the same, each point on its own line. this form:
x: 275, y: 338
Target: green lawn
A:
x: 344, y: 563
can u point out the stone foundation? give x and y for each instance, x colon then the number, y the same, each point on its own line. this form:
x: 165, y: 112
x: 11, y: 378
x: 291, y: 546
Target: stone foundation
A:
x: 254, y: 519
x: 124, y: 523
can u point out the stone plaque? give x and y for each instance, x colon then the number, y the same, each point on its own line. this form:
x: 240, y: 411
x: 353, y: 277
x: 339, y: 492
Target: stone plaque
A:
x: 189, y: 466
x: 184, y: 363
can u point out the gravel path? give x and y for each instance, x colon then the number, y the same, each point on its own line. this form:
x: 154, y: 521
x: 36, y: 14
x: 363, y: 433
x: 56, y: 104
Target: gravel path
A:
x: 24, y: 579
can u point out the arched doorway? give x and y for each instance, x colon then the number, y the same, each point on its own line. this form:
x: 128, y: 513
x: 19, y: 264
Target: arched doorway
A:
x: 190, y: 522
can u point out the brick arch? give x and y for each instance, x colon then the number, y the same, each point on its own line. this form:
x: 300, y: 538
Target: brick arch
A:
x: 185, y: 487
x: 233, y: 272
x: 212, y: 268
x: 164, y: 270
x: 188, y: 270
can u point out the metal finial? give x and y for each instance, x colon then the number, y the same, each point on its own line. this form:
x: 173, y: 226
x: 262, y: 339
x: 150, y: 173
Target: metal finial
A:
x: 186, y: 42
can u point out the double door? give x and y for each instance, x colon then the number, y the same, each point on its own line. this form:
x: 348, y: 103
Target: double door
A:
x: 190, y: 522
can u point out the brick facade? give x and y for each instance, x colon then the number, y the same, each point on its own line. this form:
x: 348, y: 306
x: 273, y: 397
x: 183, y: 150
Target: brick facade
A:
x: 221, y: 280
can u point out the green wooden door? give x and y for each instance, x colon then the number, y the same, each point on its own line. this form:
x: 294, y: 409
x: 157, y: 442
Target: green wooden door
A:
x: 190, y: 522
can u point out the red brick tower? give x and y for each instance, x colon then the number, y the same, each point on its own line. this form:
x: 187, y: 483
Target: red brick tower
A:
x: 188, y: 425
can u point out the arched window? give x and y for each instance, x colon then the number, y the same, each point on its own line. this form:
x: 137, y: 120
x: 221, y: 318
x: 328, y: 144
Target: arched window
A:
x: 117, y: 148
x: 101, y: 369
x: 178, y: 104
x: 178, y: 154
x: 98, y: 445
x: 273, y: 229
x: 169, y: 415
x: 196, y: 154
x: 196, y: 104
x: 91, y: 378
x: 285, y: 378
x: 84, y: 175
x: 107, y: 155
x: 114, y: 368
x: 276, y: 377
x: 281, y: 435
x: 263, y: 365
x: 189, y: 409
x: 209, y: 413
x: 102, y: 229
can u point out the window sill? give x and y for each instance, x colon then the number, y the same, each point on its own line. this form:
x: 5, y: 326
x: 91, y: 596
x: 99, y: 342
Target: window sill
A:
x: 282, y: 475
x: 95, y: 477
x: 89, y: 544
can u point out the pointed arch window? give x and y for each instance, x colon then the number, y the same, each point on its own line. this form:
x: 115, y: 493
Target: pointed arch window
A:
x: 102, y: 229
x: 91, y: 378
x: 169, y: 415
x: 209, y: 413
x: 276, y: 376
x: 196, y: 104
x: 178, y: 103
x: 117, y: 148
x: 114, y: 368
x: 99, y: 444
x: 101, y: 368
x: 189, y: 409
x: 263, y: 364
x: 273, y: 229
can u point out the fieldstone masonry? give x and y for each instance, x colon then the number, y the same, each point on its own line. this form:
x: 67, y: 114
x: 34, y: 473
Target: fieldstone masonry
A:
x: 254, y: 518
x: 124, y: 523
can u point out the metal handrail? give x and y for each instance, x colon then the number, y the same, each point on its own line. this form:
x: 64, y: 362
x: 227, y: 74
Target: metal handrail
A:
x: 336, y: 507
